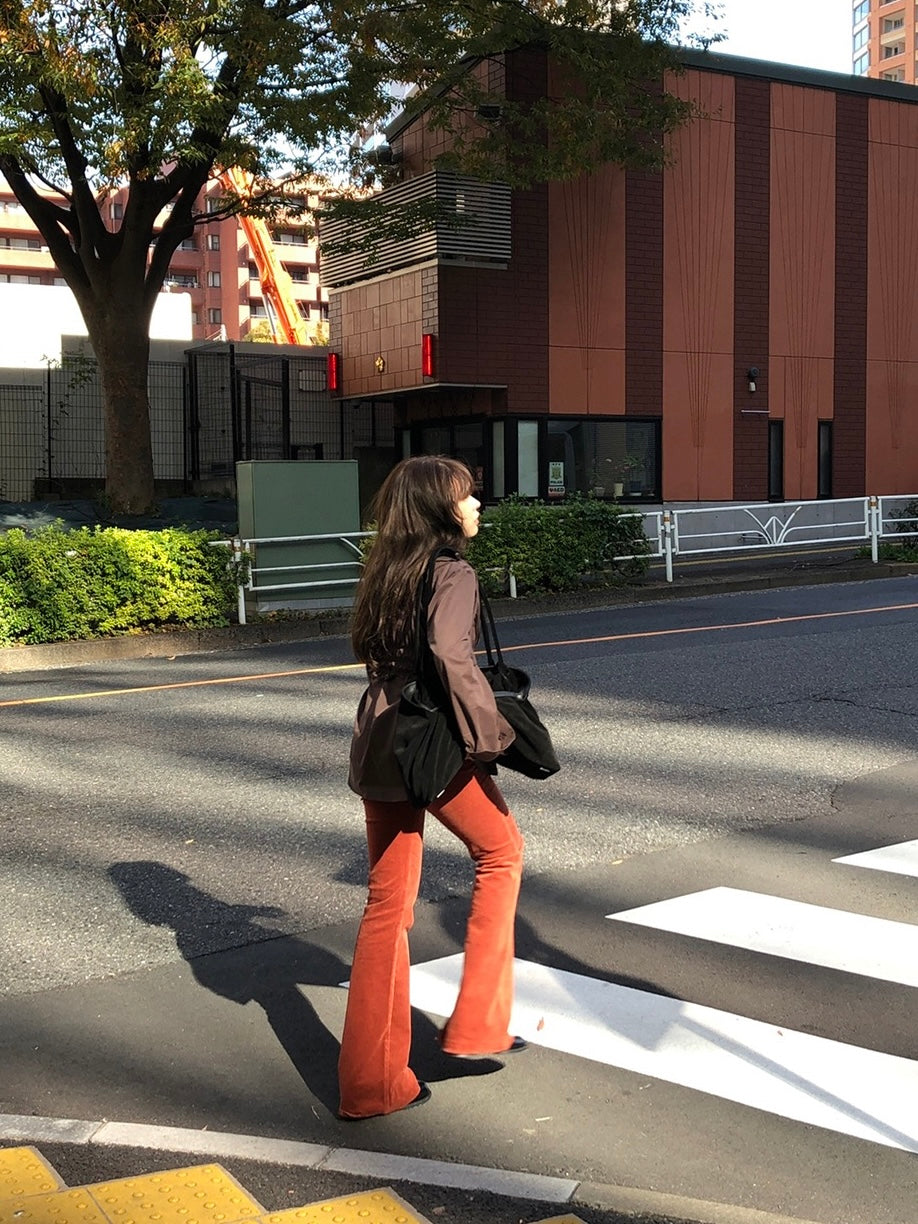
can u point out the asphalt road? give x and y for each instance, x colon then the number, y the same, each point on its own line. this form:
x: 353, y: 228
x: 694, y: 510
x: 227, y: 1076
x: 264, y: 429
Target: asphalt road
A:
x: 182, y: 824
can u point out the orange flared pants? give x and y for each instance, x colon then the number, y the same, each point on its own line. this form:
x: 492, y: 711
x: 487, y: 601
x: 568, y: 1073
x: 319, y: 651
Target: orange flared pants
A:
x: 373, y: 1072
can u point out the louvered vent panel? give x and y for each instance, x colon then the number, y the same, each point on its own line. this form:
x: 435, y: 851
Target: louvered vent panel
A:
x: 475, y: 227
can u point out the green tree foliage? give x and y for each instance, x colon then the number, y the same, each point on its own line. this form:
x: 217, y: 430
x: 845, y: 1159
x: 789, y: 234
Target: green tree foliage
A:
x: 154, y: 95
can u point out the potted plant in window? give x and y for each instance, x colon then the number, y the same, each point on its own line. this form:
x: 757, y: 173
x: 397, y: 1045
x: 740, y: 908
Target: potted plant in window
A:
x: 622, y: 469
x: 599, y: 474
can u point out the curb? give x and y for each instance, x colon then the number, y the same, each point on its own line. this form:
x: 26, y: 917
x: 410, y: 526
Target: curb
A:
x: 215, y: 1145
x: 171, y: 644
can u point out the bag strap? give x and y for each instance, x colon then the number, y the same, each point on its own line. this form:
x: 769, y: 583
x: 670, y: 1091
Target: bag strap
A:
x: 489, y: 631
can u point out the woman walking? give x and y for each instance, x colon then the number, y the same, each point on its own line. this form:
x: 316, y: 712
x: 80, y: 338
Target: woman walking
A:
x: 426, y: 503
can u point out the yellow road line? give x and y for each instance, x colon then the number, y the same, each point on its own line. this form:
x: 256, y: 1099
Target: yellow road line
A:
x: 180, y: 684
x: 774, y: 620
x: 340, y: 667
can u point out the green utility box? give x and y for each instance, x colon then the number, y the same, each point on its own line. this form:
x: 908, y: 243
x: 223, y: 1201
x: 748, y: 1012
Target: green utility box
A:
x: 282, y: 501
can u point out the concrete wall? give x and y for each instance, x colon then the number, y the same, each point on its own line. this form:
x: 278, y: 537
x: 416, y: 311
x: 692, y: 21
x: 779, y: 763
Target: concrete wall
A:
x: 35, y: 317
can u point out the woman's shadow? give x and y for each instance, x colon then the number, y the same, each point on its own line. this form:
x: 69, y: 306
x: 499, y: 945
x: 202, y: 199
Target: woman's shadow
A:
x: 256, y: 964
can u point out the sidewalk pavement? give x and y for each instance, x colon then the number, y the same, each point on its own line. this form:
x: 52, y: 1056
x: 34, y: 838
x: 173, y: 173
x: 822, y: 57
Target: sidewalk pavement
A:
x: 283, y: 1173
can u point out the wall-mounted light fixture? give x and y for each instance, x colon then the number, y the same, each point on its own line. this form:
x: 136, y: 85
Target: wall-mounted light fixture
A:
x: 427, y: 355
x: 380, y: 364
x: 333, y: 372
x: 752, y: 374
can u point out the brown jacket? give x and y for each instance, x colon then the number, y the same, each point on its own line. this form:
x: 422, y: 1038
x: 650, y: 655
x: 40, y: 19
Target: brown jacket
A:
x: 452, y: 629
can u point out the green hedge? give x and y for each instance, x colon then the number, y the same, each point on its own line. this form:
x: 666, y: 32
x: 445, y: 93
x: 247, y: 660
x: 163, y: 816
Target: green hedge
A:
x: 557, y: 547
x: 57, y: 585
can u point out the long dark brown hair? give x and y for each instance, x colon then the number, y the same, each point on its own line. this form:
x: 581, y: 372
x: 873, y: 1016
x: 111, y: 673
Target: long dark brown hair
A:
x: 415, y: 513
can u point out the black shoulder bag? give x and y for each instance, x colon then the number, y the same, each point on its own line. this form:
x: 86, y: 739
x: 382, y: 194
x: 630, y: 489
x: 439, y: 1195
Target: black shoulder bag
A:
x: 427, y: 744
x: 532, y: 752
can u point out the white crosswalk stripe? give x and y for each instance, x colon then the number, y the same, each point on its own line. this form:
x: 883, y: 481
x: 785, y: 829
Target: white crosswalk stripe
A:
x: 796, y: 930
x: 827, y: 1083
x: 855, y: 1091
x: 901, y: 859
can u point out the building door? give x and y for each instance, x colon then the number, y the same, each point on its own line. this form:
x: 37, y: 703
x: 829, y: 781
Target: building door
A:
x: 775, y: 460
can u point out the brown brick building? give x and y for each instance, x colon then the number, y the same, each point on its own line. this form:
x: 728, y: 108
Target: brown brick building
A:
x: 739, y: 326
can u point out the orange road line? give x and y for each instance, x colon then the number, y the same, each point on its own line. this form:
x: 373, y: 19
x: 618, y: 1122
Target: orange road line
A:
x: 180, y: 684
x: 651, y: 633
x: 337, y: 667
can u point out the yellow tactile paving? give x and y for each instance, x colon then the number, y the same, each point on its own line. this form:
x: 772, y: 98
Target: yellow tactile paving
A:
x: 61, y: 1207
x: 25, y: 1171
x: 562, y: 1219
x: 373, y: 1207
x: 205, y: 1194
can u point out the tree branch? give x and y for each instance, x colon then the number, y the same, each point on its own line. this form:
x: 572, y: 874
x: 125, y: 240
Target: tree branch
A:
x: 82, y: 200
x: 54, y: 223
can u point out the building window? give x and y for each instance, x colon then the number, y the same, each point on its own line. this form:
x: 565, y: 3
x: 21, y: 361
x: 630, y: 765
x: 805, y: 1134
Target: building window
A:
x: 213, y: 204
x: 196, y: 317
x: 862, y: 63
x: 861, y: 37
x: 215, y: 315
x: 824, y: 478
x: 894, y: 74
x: 893, y: 23
x: 464, y: 441
x: 213, y: 280
x: 188, y: 244
x: 861, y: 10
x: 117, y: 210
x: 611, y: 459
x: 21, y: 244
x: 894, y: 49
x: 776, y: 460
x: 213, y: 242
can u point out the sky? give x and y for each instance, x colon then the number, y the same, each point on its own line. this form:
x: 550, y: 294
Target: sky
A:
x: 810, y: 33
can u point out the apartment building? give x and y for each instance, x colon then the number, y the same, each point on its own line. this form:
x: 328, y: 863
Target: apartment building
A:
x: 215, y: 266
x: 885, y: 39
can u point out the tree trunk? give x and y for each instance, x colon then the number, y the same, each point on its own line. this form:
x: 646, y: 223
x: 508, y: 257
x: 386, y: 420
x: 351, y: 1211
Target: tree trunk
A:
x: 122, y: 348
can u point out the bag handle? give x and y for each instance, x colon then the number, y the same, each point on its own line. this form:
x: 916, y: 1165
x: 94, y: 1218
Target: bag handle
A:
x: 489, y: 636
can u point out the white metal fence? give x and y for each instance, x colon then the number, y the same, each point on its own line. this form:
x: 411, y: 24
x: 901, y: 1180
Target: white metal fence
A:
x: 325, y: 580
x: 671, y: 533
x: 742, y: 529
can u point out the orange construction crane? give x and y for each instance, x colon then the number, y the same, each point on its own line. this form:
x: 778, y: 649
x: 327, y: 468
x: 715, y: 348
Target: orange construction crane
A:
x: 287, y: 324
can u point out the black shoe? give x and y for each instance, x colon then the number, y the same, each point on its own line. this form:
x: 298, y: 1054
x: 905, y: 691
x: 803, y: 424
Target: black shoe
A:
x: 516, y: 1047
x: 424, y: 1095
